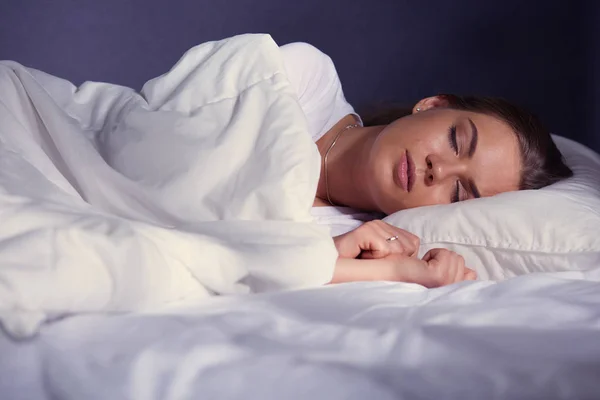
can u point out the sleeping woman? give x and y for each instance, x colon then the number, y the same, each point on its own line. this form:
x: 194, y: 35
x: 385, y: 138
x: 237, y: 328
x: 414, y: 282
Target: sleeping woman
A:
x: 446, y: 149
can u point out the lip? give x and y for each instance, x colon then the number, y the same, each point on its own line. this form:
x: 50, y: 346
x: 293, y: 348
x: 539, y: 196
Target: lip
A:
x: 403, y: 172
x: 410, y: 171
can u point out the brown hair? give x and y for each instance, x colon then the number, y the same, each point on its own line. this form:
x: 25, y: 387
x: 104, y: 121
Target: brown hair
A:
x: 543, y: 164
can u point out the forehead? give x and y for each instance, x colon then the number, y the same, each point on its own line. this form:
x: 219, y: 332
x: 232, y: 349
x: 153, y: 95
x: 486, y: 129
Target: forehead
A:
x: 496, y: 165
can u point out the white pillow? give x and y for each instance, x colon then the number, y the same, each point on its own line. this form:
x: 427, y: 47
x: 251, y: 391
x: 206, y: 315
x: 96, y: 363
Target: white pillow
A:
x: 553, y: 229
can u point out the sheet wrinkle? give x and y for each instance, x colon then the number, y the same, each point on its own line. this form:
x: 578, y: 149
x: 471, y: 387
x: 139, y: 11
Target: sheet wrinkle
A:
x: 198, y: 60
x: 166, y: 213
x: 278, y: 345
x: 504, y: 247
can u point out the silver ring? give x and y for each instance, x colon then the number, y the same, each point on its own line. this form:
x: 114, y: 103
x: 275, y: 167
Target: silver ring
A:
x: 391, y: 239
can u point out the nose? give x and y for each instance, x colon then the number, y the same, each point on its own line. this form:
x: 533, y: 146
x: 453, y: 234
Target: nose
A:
x: 439, y: 170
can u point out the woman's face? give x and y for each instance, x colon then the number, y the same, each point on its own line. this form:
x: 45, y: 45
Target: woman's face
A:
x: 439, y: 156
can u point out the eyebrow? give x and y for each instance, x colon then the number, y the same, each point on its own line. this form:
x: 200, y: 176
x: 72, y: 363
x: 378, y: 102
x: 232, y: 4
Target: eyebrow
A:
x: 474, y: 138
x: 472, y: 148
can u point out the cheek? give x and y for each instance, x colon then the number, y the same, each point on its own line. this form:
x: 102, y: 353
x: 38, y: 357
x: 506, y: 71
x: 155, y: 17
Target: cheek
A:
x: 497, y: 173
x: 427, y: 145
x: 427, y: 196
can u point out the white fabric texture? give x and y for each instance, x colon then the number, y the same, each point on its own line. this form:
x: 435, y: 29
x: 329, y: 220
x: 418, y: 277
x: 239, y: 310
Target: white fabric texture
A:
x: 313, y: 76
x: 315, y: 80
x: 531, y: 337
x: 114, y: 200
x: 556, y: 228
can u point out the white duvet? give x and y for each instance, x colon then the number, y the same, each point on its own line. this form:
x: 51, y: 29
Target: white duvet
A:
x: 117, y: 200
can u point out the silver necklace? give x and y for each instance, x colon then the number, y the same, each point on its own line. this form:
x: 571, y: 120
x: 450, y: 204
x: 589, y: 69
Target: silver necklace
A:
x: 327, y: 155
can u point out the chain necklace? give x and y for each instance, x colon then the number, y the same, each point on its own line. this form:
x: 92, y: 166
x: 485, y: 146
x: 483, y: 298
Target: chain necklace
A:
x: 327, y: 155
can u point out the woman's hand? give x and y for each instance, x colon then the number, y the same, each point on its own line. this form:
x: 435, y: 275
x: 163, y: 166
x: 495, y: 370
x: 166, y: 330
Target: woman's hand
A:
x: 370, y: 240
x: 438, y: 267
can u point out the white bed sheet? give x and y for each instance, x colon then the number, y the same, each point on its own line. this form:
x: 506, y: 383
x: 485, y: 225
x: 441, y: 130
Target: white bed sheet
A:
x: 531, y: 337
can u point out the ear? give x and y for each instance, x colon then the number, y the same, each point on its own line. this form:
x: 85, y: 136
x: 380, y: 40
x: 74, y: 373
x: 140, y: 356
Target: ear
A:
x: 429, y: 103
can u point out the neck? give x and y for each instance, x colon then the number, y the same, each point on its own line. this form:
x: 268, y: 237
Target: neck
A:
x: 346, y: 169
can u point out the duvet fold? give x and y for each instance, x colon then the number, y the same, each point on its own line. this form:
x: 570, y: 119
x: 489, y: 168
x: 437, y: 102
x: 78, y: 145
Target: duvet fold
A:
x: 114, y: 200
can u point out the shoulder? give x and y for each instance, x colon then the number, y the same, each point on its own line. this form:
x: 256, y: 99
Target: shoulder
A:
x: 304, y: 50
x: 300, y: 55
x: 310, y: 71
x: 317, y: 85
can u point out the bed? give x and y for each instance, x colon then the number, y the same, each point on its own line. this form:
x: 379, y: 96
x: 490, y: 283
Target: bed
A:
x: 527, y: 338
x: 111, y: 301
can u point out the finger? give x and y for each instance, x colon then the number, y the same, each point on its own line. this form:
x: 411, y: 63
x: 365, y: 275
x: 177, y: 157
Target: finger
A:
x: 416, y: 243
x: 368, y: 255
x: 432, y: 254
x: 446, y: 266
x: 396, y: 230
x: 376, y: 248
x: 386, y: 230
x: 446, y: 274
x: 346, y: 246
x: 470, y: 275
x: 409, y: 241
x: 453, y: 272
x: 428, y: 256
x: 412, y: 240
x: 459, y: 262
x: 373, y: 243
x: 401, y: 245
x: 381, y: 237
x: 408, y: 247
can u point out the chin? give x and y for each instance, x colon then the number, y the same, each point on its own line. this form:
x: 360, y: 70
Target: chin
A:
x: 389, y: 207
x: 393, y: 210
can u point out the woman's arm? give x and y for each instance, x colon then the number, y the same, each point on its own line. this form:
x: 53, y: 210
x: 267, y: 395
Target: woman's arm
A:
x: 438, y: 267
x: 356, y: 270
x: 396, y: 268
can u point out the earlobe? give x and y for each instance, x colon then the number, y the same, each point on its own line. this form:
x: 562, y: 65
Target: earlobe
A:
x: 429, y: 103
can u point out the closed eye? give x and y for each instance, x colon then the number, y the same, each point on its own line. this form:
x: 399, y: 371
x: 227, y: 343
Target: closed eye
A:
x: 456, y: 194
x: 452, y: 139
x: 454, y: 146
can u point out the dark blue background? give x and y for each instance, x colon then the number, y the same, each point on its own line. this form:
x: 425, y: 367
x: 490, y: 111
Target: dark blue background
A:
x: 541, y: 54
